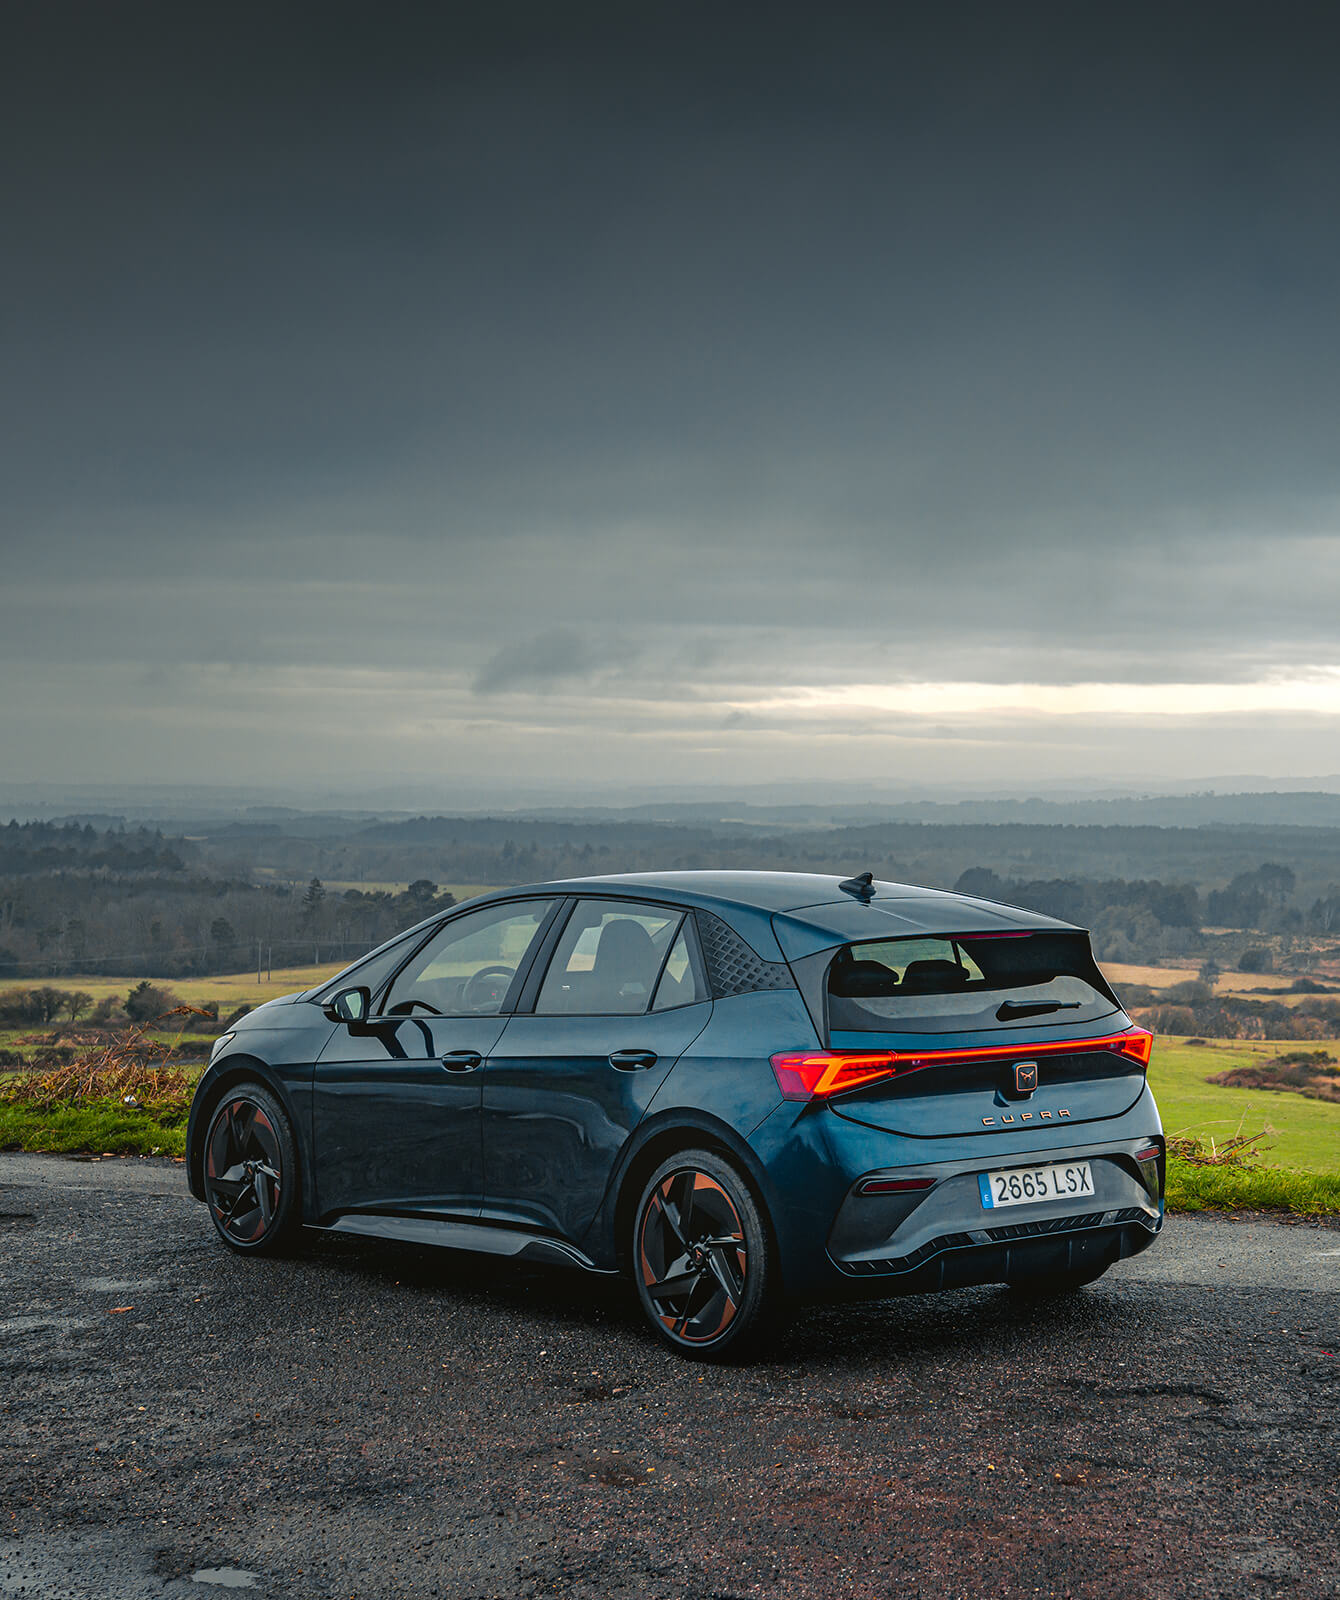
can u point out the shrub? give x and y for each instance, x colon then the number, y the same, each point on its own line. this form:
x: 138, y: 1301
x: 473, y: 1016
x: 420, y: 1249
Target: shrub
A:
x: 1257, y: 958
x: 146, y: 1001
x: 129, y: 1065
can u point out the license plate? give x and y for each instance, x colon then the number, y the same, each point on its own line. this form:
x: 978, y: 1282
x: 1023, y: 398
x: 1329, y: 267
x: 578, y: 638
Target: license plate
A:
x: 1018, y: 1186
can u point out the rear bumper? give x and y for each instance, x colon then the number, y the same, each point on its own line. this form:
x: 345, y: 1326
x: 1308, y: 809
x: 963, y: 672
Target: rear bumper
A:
x: 890, y: 1235
x: 835, y: 1241
x: 1088, y: 1242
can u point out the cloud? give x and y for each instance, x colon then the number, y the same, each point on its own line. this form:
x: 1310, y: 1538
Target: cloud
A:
x: 547, y: 659
x: 476, y: 384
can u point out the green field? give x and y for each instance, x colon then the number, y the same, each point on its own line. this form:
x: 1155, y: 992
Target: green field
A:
x: 1299, y: 1170
x: 1306, y: 1132
x: 230, y: 989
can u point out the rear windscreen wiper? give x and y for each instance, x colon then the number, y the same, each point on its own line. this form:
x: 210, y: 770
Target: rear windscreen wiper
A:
x: 1009, y: 1009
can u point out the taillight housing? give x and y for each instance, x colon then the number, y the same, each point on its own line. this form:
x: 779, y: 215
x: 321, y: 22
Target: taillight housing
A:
x: 819, y: 1074
x: 815, y: 1074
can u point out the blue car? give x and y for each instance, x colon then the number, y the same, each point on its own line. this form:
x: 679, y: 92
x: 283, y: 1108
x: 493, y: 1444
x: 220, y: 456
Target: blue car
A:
x: 740, y: 1089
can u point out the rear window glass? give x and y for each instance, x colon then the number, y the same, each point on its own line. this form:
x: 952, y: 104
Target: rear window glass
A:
x: 971, y: 982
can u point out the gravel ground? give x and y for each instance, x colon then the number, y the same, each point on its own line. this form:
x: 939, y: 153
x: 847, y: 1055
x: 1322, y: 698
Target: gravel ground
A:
x: 371, y: 1420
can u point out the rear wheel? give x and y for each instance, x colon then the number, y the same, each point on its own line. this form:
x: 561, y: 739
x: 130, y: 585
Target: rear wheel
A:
x: 703, y: 1258
x: 250, y: 1172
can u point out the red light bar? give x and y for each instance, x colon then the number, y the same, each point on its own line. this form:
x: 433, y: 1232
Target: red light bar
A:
x: 816, y: 1074
x: 1151, y: 1152
x: 894, y: 1185
x: 1010, y: 933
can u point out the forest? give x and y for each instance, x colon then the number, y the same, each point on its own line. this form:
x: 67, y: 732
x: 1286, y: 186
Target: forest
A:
x: 98, y: 896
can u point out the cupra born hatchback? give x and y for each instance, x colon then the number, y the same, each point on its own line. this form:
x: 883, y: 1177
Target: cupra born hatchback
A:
x: 741, y: 1089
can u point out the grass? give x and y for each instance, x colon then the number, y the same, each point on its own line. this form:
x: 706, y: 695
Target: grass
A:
x: 229, y: 989
x: 1305, y: 1133
x: 126, y: 1096
x: 95, y: 1127
x: 1192, y: 1187
x: 78, y: 1109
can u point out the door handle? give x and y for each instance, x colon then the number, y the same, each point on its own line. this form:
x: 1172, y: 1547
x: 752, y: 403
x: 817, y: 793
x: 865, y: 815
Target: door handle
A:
x: 462, y: 1060
x: 632, y: 1060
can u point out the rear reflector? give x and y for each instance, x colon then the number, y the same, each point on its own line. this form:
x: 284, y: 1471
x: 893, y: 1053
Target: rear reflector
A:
x: 816, y: 1074
x: 1151, y: 1152
x: 894, y: 1185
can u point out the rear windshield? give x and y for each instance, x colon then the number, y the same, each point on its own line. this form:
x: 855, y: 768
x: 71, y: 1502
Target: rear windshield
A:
x: 968, y: 982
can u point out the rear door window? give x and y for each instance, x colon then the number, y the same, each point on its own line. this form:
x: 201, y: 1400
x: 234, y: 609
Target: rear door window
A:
x: 680, y: 984
x: 969, y: 982
x: 608, y: 960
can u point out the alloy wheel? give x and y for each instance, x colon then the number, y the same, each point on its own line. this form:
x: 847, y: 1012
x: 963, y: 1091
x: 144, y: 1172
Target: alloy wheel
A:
x: 692, y: 1256
x: 244, y: 1173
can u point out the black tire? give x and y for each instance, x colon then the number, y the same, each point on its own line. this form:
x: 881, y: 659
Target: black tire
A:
x: 250, y: 1170
x: 720, y: 1265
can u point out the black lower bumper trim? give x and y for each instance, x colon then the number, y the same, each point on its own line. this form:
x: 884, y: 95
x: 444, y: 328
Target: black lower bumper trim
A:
x: 892, y: 1265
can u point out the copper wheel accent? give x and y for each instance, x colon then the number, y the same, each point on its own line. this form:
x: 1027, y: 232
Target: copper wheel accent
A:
x: 692, y: 1256
x: 243, y: 1170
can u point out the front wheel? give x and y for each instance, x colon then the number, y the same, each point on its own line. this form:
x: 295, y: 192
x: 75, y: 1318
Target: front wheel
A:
x: 251, y: 1172
x: 703, y: 1258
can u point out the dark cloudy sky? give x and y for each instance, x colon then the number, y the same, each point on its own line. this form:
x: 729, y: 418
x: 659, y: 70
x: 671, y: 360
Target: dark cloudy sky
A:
x: 661, y: 393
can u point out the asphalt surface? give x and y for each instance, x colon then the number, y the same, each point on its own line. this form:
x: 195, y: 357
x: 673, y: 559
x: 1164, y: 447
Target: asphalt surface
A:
x: 371, y: 1420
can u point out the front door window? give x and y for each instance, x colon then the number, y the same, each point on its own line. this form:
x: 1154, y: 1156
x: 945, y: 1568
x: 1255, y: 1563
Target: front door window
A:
x: 468, y: 969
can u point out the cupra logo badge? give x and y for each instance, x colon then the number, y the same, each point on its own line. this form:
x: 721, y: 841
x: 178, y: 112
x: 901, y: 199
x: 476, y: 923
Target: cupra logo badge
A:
x: 1025, y: 1077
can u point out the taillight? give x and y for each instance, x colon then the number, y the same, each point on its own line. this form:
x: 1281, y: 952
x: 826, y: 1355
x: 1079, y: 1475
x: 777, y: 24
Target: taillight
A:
x: 816, y: 1074
x: 813, y: 1074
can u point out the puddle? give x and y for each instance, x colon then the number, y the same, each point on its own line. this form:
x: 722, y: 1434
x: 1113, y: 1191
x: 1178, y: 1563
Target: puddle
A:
x: 225, y: 1577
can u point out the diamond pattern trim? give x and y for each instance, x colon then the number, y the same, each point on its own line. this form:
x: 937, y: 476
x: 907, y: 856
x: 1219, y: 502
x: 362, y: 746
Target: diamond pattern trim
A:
x: 732, y: 966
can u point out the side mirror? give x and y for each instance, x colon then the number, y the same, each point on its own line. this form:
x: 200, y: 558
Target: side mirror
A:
x: 350, y: 1005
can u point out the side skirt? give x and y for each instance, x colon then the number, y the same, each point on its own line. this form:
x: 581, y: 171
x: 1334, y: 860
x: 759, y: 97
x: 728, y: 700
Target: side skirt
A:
x: 453, y: 1235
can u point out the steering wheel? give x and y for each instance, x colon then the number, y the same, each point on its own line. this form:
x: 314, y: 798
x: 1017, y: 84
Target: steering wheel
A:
x: 406, y: 1007
x: 483, y: 989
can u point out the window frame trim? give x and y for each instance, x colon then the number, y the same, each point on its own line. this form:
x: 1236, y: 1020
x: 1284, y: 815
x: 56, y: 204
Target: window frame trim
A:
x: 520, y: 979
x: 535, y: 979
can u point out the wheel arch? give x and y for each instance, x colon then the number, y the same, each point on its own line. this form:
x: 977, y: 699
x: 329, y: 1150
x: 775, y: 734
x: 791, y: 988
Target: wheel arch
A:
x: 655, y: 1141
x: 231, y: 1071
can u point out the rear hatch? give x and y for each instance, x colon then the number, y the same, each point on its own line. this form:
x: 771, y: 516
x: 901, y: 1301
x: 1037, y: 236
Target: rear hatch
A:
x: 948, y: 1034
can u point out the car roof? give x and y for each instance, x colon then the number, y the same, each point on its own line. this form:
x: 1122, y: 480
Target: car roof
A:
x: 793, y: 913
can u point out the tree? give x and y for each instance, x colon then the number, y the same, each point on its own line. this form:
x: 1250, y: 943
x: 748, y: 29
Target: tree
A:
x: 978, y: 881
x: 421, y: 899
x: 1325, y: 913
x: 149, y: 1000
x: 313, y: 900
x: 48, y: 1003
x: 1276, y: 881
x: 77, y: 1001
x: 221, y: 932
